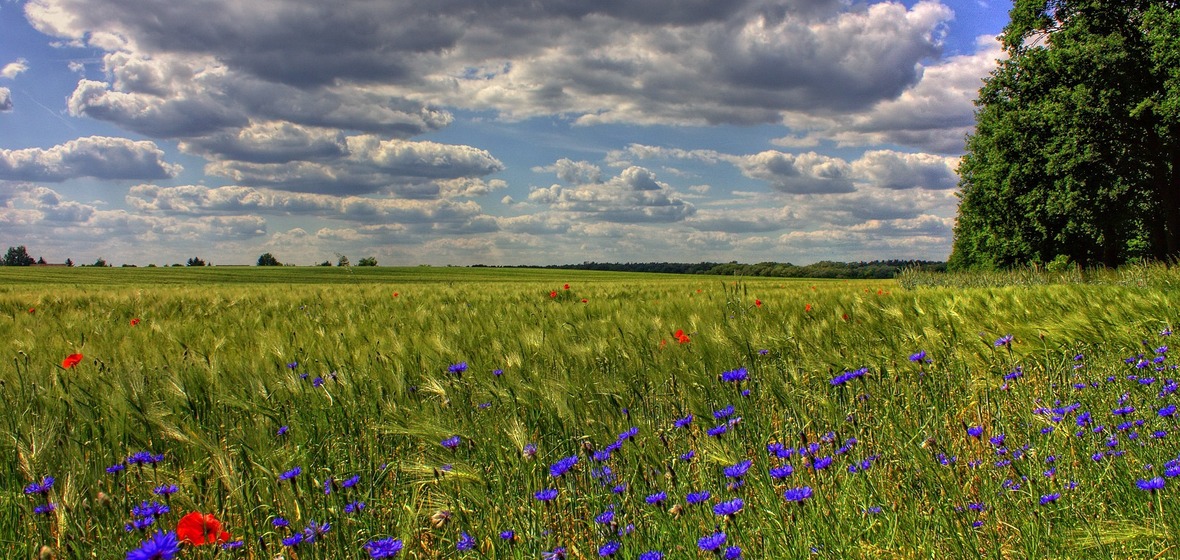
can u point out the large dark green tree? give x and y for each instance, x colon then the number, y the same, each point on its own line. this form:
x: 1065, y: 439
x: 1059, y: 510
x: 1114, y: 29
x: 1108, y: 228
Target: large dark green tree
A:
x: 1076, y: 149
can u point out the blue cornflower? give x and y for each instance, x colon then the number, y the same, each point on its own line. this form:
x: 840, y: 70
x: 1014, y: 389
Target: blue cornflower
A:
x: 282, y: 431
x: 609, y: 549
x: 465, y: 540
x: 529, y: 450
x: 160, y: 546
x: 688, y: 455
x: 351, y: 481
x: 723, y: 413
x: 545, y: 495
x: 1151, y: 485
x: 563, y: 465
x: 117, y: 467
x: 797, y: 494
x: 657, y: 498
x: 1004, y: 340
x: 683, y: 422
x: 293, y: 540
x: 149, y: 509
x: 735, y: 376
x: 821, y: 463
x: 717, y: 430
x: 975, y: 431
x: 739, y: 469
x: 710, y: 543
x: 233, y: 545
x: 1050, y: 498
x: 384, y: 548
x: 629, y: 434
x: 291, y: 474
x: 40, y: 488
x: 652, y: 555
x: 354, y: 507
x: 315, y: 530
x: 45, y: 509
x: 555, y: 554
x: 919, y: 356
x: 1167, y: 411
x: 619, y: 488
x: 497, y: 372
x: 451, y: 442
x: 165, y: 490
x: 317, y: 382
x: 697, y: 497
x: 292, y: 365
x: 458, y: 368
x: 606, y: 517
x: 729, y: 508
x: 732, y: 553
x: 508, y: 535
x: 782, y: 471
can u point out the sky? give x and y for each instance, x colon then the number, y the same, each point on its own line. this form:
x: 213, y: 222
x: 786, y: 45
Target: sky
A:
x: 515, y: 132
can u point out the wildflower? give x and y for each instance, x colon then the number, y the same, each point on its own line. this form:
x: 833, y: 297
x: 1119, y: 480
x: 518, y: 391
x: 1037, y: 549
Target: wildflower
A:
x: 165, y: 490
x: 697, y: 497
x: 1167, y: 411
x: 45, y: 509
x: 562, y: 466
x: 40, y: 488
x: 1151, y: 485
x: 293, y: 540
x: 729, y: 508
x: 292, y: 365
x: 198, y: 528
x: 384, y: 548
x: 451, y: 442
x: 546, y: 495
x: 465, y: 542
x: 717, y: 430
x: 735, y: 376
x: 351, y: 481
x: 683, y: 422
x: 733, y: 553
x: 160, y: 546
x: 71, y: 361
x: 497, y: 372
x: 508, y: 535
x: 134, y: 322
x: 710, y: 543
x: 797, y: 494
x: 782, y: 471
x: 821, y: 463
x: 555, y: 554
x: 680, y: 337
x: 457, y: 369
x: 291, y: 474
x: 233, y: 545
x: 757, y: 303
x: 652, y: 555
x: 738, y: 469
x: 282, y: 431
x: 553, y: 294
x: 606, y: 517
x: 1005, y: 340
x: 609, y: 549
x: 116, y: 468
x: 657, y: 498
x: 1050, y: 498
x: 723, y: 413
x: 529, y: 451
x: 354, y: 507
x: 975, y: 431
x: 919, y: 356
x: 688, y: 455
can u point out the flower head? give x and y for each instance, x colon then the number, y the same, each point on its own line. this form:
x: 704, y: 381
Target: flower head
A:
x: 291, y: 474
x: 797, y: 494
x: 465, y: 542
x: 71, y: 361
x: 384, y: 548
x: 729, y: 508
x: 160, y: 546
x: 546, y: 495
x: 710, y: 543
x: 198, y: 528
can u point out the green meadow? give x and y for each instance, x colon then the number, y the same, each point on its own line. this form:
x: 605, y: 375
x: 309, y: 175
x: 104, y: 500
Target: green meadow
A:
x: 484, y: 413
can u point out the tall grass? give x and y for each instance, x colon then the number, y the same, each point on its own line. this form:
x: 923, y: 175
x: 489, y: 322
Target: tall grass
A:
x: 364, y: 376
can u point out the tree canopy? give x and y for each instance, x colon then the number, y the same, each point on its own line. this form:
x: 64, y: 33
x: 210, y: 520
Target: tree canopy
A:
x: 1076, y: 149
x: 18, y: 256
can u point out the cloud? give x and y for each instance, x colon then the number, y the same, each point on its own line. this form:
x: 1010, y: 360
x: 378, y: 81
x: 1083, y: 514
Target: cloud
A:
x: 573, y: 172
x: 807, y: 173
x: 684, y: 62
x: 897, y: 170
x: 5, y: 100
x: 420, y: 216
x: 10, y: 70
x: 93, y: 156
x: 634, y: 196
x: 269, y: 142
x: 935, y: 115
x: 370, y: 165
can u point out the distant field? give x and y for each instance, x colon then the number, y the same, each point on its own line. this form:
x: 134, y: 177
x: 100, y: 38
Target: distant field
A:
x: 456, y: 412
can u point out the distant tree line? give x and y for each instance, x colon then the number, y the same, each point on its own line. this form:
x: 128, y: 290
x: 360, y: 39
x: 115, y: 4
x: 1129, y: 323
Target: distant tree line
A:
x: 822, y: 269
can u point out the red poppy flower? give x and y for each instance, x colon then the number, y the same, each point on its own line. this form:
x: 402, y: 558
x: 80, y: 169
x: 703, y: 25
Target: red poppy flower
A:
x: 553, y: 294
x: 32, y: 310
x: 134, y: 322
x: 807, y: 308
x: 71, y: 361
x: 199, y: 528
x: 567, y: 286
x: 757, y: 303
x: 394, y: 294
x: 680, y: 337
x: 584, y: 300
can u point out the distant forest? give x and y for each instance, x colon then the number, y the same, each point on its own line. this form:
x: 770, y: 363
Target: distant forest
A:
x: 822, y: 269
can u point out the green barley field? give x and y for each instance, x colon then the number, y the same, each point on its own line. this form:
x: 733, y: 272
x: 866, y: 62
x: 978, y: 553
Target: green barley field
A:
x: 478, y: 413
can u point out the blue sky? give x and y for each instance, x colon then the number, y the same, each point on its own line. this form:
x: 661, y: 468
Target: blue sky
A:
x: 465, y: 132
